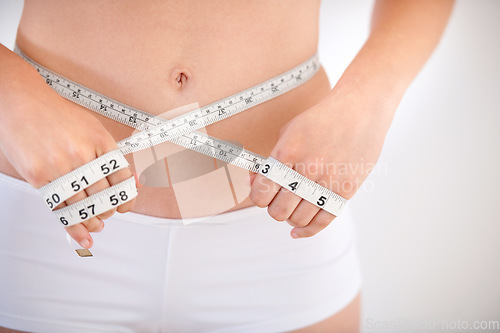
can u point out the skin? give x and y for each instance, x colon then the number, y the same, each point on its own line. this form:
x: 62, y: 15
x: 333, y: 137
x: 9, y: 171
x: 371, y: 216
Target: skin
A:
x: 345, y: 125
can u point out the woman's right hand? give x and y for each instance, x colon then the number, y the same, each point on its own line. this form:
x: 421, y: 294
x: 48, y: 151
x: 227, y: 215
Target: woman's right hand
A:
x: 45, y: 136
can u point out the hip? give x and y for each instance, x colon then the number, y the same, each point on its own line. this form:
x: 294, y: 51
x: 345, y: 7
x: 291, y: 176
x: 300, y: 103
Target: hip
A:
x: 233, y: 272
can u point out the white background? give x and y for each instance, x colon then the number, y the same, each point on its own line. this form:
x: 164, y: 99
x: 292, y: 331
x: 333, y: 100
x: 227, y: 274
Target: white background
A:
x: 427, y: 220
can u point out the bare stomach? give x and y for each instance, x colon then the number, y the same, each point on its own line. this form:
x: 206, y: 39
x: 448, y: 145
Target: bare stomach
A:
x: 160, y: 58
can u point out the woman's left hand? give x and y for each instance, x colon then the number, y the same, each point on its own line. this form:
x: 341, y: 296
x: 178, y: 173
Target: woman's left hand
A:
x: 336, y: 143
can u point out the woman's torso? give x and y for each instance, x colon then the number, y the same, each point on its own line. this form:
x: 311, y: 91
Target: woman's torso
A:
x: 135, y: 52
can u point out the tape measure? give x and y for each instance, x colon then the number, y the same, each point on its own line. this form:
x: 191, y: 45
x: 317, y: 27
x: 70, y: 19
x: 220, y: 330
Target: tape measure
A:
x: 180, y: 130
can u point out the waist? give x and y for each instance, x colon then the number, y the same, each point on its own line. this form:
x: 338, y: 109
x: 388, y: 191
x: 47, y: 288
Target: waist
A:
x: 194, y: 51
x: 184, y: 175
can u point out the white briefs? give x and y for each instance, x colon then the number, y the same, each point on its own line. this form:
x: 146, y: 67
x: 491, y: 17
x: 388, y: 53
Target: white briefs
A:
x: 234, y: 272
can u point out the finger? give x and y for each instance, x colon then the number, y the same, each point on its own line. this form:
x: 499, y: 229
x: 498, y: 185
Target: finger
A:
x: 80, y: 158
x: 81, y: 235
x: 303, y: 214
x: 283, y: 205
x: 116, y: 178
x: 93, y: 224
x: 294, y: 201
x: 252, y: 177
x: 97, y: 187
x: 263, y: 191
x: 318, y: 223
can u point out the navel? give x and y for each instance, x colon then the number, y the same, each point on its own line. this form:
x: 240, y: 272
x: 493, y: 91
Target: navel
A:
x: 180, y: 77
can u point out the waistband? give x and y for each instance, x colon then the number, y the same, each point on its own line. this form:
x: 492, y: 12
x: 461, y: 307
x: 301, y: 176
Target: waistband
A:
x: 244, y: 213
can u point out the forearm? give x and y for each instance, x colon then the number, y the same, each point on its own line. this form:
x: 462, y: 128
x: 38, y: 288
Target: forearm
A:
x: 19, y: 83
x: 403, y: 35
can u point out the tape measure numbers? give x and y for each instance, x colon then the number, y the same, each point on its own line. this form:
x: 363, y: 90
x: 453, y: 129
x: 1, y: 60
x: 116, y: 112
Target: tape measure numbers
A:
x: 81, y: 178
x: 182, y: 131
x: 97, y: 203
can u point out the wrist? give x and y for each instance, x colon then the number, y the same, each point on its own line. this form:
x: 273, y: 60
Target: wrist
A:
x: 378, y: 69
x: 372, y: 81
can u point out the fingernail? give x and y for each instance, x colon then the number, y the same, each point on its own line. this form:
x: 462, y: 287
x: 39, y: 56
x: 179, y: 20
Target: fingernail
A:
x: 85, y: 243
x: 294, y: 235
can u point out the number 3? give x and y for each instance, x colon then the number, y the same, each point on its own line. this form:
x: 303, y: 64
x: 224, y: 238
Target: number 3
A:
x: 266, y: 168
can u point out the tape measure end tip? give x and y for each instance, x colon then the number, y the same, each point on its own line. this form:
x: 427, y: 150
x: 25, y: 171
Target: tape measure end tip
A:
x: 84, y: 253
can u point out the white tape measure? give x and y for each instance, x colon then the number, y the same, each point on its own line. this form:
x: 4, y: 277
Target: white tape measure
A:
x: 180, y: 130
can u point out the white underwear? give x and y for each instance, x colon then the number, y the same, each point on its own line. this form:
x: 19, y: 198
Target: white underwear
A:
x: 234, y: 272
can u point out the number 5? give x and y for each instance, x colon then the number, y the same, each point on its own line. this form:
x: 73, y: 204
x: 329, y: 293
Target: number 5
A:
x: 321, y: 201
